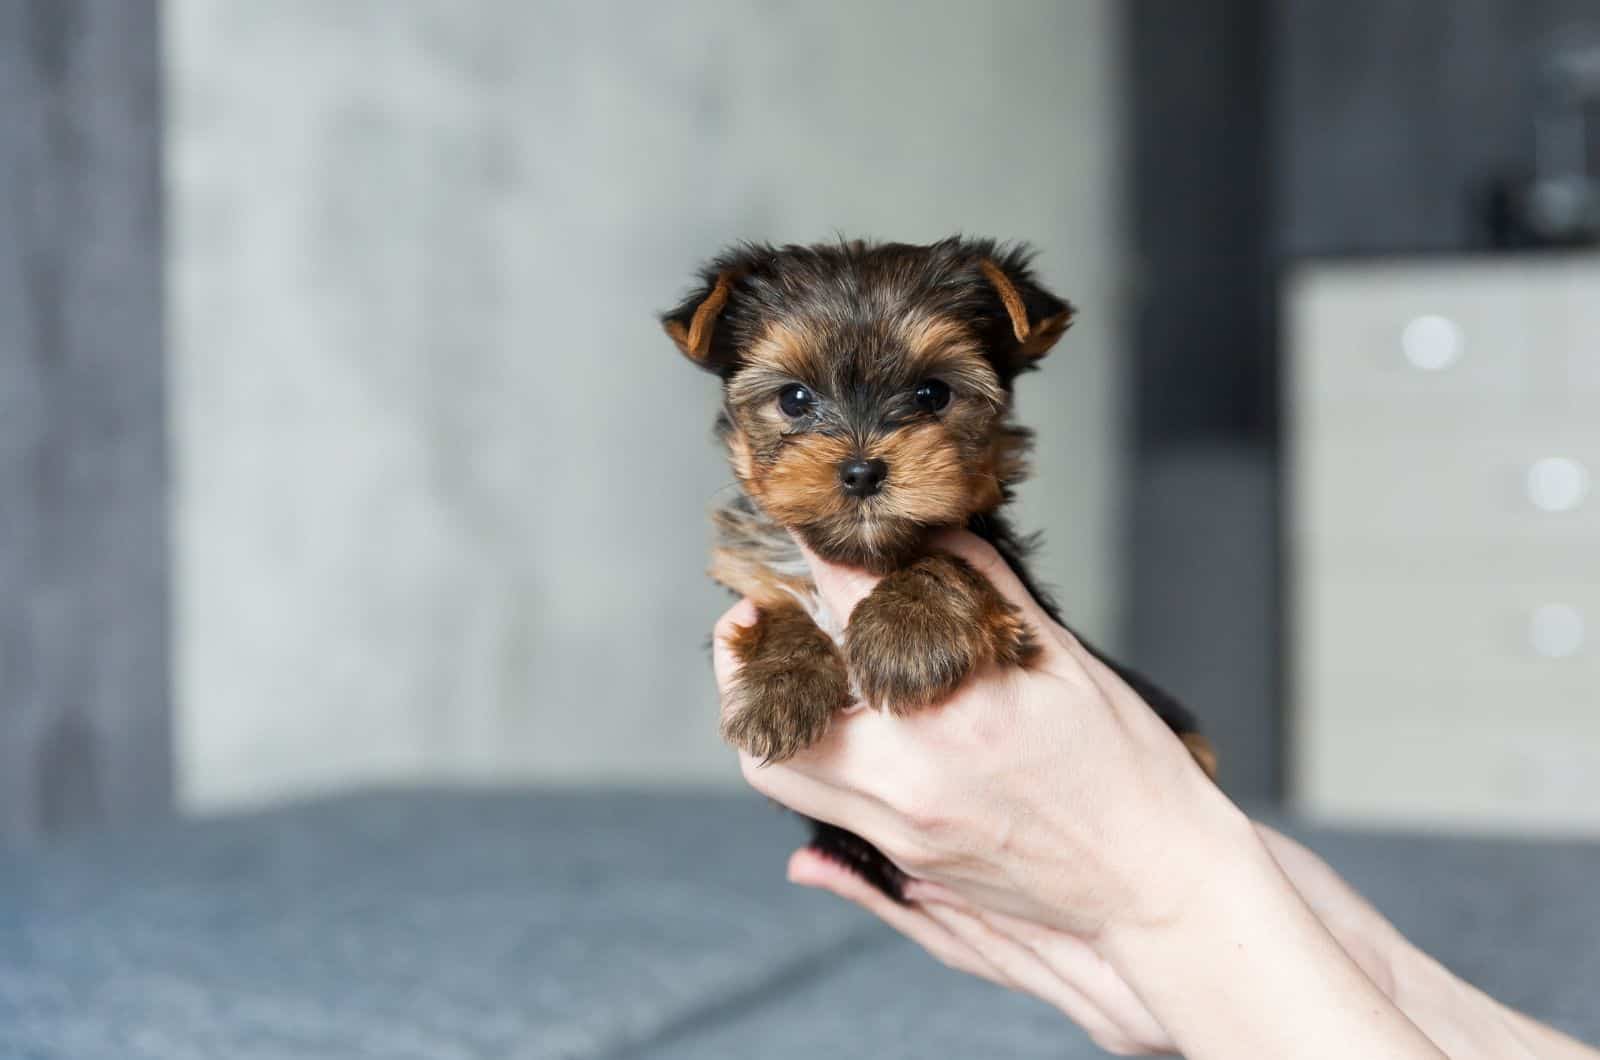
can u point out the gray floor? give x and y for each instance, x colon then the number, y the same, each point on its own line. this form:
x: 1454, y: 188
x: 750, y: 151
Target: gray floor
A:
x: 436, y: 924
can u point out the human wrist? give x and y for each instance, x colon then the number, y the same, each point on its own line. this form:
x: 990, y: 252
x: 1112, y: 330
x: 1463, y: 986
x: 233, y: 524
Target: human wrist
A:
x: 1202, y: 853
x: 1462, y: 1020
x: 1197, y: 862
x: 1239, y: 965
x: 1207, y: 846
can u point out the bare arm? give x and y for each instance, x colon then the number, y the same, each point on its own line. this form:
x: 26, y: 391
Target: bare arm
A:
x: 1065, y: 971
x: 1242, y: 967
x: 1066, y: 845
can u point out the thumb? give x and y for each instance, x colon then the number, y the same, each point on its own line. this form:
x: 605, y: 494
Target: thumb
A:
x: 841, y: 587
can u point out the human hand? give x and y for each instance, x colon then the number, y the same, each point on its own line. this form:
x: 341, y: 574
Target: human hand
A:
x: 1067, y: 972
x: 1051, y: 793
x: 1054, y: 966
x: 1054, y: 797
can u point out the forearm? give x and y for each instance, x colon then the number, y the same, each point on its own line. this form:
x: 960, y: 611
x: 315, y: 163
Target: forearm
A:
x: 1236, y: 965
x: 1469, y: 1024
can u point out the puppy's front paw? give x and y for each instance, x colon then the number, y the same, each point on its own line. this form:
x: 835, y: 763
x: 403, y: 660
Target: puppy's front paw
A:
x: 791, y: 680
x: 922, y: 630
x: 775, y: 716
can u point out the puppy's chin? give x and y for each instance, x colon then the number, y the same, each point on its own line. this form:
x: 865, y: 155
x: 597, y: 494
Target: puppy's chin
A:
x: 879, y: 545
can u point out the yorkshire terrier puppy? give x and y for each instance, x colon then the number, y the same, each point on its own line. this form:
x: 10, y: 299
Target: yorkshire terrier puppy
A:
x: 867, y: 400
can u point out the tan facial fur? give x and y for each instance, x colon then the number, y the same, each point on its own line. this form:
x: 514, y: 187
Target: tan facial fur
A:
x: 943, y: 467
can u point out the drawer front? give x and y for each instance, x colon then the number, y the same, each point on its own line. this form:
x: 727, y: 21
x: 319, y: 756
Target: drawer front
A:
x: 1373, y: 748
x: 1440, y: 682
x: 1542, y: 487
x: 1522, y: 620
x: 1447, y: 344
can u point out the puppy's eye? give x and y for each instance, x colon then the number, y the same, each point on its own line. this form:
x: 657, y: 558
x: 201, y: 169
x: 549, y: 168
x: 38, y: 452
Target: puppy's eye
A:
x: 932, y: 395
x: 795, y: 400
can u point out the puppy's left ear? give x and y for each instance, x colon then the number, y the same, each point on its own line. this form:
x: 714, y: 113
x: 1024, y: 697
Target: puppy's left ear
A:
x: 1038, y: 318
x: 693, y: 324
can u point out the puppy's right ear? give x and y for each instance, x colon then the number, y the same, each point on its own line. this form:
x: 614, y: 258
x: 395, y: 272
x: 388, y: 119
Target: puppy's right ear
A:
x: 693, y: 324
x: 713, y: 322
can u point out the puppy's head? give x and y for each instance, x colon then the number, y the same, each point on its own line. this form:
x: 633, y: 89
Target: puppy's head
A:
x: 866, y: 385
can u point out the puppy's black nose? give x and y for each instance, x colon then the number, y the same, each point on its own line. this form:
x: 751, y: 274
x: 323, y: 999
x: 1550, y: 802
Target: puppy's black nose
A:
x: 862, y: 478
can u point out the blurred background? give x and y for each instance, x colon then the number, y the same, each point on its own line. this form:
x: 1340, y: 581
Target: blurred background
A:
x: 339, y: 445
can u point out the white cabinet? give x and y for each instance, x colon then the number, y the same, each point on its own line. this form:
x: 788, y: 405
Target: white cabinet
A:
x: 1443, y: 541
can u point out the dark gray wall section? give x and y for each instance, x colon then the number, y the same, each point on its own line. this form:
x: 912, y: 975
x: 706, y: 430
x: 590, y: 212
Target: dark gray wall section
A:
x: 1204, y: 621
x: 1390, y: 118
x: 1200, y: 222
x: 1202, y: 556
x: 84, y: 704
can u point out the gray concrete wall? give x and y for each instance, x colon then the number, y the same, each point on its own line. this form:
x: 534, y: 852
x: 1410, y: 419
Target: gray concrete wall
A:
x: 440, y: 481
x: 84, y: 703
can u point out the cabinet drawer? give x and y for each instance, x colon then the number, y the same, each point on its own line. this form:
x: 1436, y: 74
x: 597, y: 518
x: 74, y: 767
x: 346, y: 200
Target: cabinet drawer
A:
x: 1436, y: 336
x: 1540, y: 487
x: 1444, y: 344
x: 1373, y: 748
x: 1522, y: 621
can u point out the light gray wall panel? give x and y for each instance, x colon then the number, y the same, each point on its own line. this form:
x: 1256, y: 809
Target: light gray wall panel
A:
x: 84, y: 729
